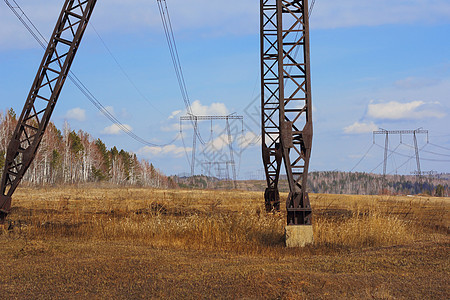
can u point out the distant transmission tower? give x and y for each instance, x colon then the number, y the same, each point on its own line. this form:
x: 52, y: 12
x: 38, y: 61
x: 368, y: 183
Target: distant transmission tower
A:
x: 211, y: 161
x: 386, y: 133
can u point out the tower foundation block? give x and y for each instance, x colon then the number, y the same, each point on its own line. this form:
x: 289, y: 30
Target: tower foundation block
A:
x: 299, y: 235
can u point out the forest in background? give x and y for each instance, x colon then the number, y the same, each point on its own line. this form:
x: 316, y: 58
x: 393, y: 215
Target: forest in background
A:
x: 69, y: 157
x: 337, y: 182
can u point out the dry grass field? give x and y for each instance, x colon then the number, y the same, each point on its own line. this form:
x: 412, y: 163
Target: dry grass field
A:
x: 119, y: 243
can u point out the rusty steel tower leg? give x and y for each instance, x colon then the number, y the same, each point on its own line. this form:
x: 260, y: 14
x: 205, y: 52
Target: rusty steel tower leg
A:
x: 43, y: 95
x: 270, y: 103
x: 295, y: 107
x: 286, y: 102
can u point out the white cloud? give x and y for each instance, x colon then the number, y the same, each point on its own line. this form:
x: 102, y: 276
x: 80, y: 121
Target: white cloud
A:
x: 172, y: 150
x: 249, y: 139
x: 237, y: 17
x: 121, y: 114
x: 134, y: 16
x: 174, y: 114
x: 219, y: 143
x: 198, y: 109
x: 114, y: 129
x: 404, y: 111
x: 108, y: 109
x: 360, y: 127
x: 213, y: 109
x: 171, y: 127
x: 77, y: 114
x: 176, y: 127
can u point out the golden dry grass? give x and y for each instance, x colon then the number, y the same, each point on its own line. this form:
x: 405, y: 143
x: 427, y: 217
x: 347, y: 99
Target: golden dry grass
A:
x: 141, y: 239
x: 223, y: 221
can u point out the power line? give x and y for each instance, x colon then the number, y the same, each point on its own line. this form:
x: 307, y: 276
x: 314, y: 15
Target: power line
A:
x: 445, y: 148
x: 17, y: 10
x: 411, y: 157
x: 391, y: 152
x: 210, y: 144
x: 170, y: 37
x: 362, y: 158
x: 110, y: 116
x: 311, y: 8
x: 184, y: 145
x: 407, y: 161
x: 123, y: 70
x: 404, y: 155
x: 431, y: 152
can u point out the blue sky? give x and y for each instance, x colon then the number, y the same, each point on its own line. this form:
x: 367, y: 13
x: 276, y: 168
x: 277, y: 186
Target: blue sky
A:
x: 383, y: 64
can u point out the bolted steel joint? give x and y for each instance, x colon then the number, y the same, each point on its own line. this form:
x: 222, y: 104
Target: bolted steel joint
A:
x: 272, y: 199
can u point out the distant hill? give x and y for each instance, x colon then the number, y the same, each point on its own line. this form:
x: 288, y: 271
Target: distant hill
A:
x: 335, y: 182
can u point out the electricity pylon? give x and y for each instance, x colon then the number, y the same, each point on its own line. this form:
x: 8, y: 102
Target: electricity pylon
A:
x: 44, y: 93
x: 286, y: 104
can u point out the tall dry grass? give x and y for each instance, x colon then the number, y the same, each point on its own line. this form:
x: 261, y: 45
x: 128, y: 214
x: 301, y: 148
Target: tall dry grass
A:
x: 216, y: 220
x: 372, y: 228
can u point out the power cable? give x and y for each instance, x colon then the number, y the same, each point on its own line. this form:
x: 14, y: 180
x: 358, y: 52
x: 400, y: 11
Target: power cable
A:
x: 364, y: 156
x: 123, y: 70
x: 431, y: 152
x: 167, y: 25
x: 240, y: 148
x: 427, y: 159
x: 110, y: 116
x: 77, y: 82
x: 391, y: 152
x: 311, y: 8
x: 170, y: 37
x: 409, y: 159
x: 445, y: 148
x: 184, y: 144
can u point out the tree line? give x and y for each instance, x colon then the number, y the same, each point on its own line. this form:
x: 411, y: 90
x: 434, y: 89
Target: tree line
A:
x: 69, y: 157
x: 335, y: 182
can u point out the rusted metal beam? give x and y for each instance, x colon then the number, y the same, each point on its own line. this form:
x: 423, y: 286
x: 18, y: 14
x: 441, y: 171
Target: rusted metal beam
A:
x: 43, y: 96
x: 286, y: 103
x: 270, y: 102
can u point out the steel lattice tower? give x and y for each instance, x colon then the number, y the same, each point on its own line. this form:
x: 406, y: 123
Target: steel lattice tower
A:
x: 44, y: 93
x: 230, y: 162
x: 286, y: 104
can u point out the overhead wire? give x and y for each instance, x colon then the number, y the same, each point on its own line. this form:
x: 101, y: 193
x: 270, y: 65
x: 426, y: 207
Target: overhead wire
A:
x: 407, y: 161
x: 184, y: 144
x: 391, y: 152
x: 110, y: 116
x: 173, y: 50
x: 445, y: 148
x: 123, y: 70
x: 76, y: 81
x: 240, y: 147
x: 401, y: 154
x: 362, y: 158
x: 167, y: 25
x: 431, y: 152
x: 311, y: 8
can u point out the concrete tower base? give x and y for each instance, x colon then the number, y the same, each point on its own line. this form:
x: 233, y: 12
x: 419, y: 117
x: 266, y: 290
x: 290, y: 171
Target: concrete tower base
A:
x: 299, y: 235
